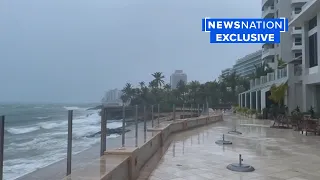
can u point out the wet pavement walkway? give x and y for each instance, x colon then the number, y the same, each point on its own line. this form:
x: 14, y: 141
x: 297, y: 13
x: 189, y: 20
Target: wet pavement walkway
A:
x: 276, y: 154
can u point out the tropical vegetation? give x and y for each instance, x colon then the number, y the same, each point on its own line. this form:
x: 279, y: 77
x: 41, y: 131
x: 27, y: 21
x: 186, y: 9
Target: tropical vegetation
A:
x: 216, y: 92
x: 261, y: 70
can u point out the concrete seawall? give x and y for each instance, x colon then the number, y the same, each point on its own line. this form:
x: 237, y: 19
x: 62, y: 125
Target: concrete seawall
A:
x: 126, y: 163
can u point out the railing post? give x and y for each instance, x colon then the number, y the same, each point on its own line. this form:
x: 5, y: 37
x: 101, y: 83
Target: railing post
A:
x: 183, y: 111
x: 191, y: 110
x: 144, y: 123
x: 158, y: 115
x: 208, y: 109
x: 136, y: 121
x: 103, y: 131
x: 123, y: 125
x: 203, y: 109
x: 69, y: 146
x: 174, y: 112
x: 1, y: 145
x: 198, y: 109
x: 152, y: 116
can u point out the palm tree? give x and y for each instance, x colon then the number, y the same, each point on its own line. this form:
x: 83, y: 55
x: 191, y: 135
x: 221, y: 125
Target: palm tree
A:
x: 262, y: 70
x: 281, y: 63
x: 278, y: 93
x: 142, y: 84
x: 127, y: 93
x: 158, y: 79
x: 232, y: 80
x: 194, y: 87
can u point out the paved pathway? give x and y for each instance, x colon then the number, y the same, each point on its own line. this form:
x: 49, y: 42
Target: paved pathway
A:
x: 276, y: 154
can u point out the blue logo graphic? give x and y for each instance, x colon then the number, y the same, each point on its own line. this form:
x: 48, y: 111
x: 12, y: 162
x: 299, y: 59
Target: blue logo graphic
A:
x: 245, y: 30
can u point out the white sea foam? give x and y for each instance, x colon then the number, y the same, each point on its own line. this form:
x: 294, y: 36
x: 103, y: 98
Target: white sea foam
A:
x: 51, y: 143
x: 22, y: 130
x: 43, y: 117
x: 74, y: 108
x: 51, y: 125
x: 114, y: 125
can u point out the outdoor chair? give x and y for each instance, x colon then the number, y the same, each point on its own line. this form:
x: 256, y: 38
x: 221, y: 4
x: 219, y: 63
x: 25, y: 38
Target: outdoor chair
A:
x: 281, y: 120
x: 310, y: 125
x: 296, y: 122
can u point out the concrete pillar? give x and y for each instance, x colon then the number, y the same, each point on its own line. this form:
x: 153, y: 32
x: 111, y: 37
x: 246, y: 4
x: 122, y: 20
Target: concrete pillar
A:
x: 257, y: 100
x: 245, y: 100
x: 263, y: 98
x: 239, y: 99
x: 308, y: 97
x: 251, y: 101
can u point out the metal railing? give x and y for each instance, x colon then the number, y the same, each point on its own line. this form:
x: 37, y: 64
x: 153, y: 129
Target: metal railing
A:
x: 278, y: 74
x: 148, y: 115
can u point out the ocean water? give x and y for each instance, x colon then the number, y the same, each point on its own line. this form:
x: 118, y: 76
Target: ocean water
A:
x: 36, y: 134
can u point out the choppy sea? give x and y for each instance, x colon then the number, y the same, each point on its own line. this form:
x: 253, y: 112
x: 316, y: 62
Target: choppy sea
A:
x: 36, y: 134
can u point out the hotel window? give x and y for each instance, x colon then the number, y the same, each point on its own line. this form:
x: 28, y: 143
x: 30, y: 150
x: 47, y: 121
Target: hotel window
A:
x: 313, y: 23
x: 297, y: 55
x: 313, y: 50
x: 297, y: 10
x: 298, y: 41
x: 297, y: 28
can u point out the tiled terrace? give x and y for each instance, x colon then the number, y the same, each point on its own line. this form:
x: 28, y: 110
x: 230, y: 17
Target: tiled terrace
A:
x: 276, y: 154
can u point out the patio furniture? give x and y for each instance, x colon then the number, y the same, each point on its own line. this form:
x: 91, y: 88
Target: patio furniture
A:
x: 310, y: 125
x: 296, y: 122
x: 281, y: 120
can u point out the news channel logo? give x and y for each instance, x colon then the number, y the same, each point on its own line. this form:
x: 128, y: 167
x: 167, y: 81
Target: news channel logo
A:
x: 245, y: 30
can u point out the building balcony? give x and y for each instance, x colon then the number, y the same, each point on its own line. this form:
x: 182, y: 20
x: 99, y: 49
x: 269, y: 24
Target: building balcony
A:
x: 298, y: 1
x: 295, y: 31
x: 279, y: 75
x: 268, y: 12
x: 296, y: 46
x: 268, y: 52
x: 267, y: 3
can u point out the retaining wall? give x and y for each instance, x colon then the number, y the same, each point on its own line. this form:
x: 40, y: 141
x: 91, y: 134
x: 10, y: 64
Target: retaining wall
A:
x: 129, y: 168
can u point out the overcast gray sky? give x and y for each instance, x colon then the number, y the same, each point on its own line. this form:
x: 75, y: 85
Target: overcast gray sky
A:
x: 73, y: 51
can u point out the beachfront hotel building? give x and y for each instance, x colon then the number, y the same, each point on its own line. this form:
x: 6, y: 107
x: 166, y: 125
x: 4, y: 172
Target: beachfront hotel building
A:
x: 245, y: 66
x: 292, y: 50
x: 177, y: 76
x: 226, y: 72
x: 291, y: 45
x: 306, y: 88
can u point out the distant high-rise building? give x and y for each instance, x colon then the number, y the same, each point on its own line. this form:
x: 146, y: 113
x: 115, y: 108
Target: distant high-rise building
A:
x: 112, y: 97
x: 177, y: 76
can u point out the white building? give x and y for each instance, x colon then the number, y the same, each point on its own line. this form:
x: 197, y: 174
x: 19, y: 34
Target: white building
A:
x: 306, y: 88
x: 291, y: 50
x: 291, y: 45
x: 245, y: 66
x: 112, y: 97
x: 226, y: 72
x: 177, y: 76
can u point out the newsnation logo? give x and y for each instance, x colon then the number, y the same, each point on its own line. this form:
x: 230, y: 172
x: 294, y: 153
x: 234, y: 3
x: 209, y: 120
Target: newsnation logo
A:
x: 245, y: 30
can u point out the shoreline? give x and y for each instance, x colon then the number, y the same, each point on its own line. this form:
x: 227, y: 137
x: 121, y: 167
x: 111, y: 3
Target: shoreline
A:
x: 57, y: 170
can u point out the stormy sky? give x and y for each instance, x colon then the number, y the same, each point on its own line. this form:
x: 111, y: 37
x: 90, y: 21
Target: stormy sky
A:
x: 75, y: 50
